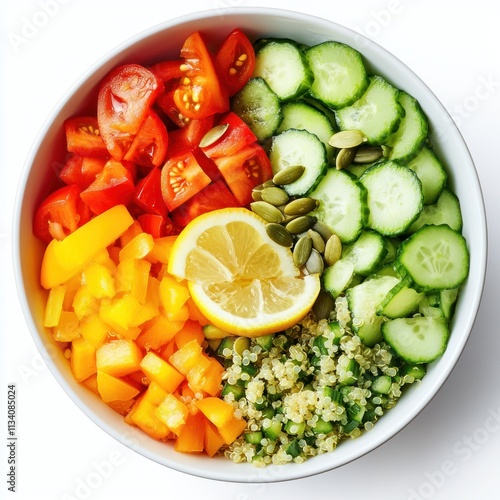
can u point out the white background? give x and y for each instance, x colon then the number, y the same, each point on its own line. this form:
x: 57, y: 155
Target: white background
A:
x: 450, y: 451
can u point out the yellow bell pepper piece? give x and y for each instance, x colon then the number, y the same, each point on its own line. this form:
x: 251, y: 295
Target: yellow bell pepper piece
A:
x: 83, y: 359
x: 68, y: 327
x: 132, y: 275
x: 187, y: 357
x: 158, y: 370
x: 98, y: 280
x: 114, y: 389
x: 158, y: 332
x: 54, y: 306
x: 218, y: 411
x: 63, y: 259
x: 138, y: 247
x: 173, y: 413
x: 94, y: 330
x: 121, y: 313
x: 118, y: 357
x: 85, y: 303
x: 174, y: 295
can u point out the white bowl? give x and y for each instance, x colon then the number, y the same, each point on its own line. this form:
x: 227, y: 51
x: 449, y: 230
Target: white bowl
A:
x: 164, y: 41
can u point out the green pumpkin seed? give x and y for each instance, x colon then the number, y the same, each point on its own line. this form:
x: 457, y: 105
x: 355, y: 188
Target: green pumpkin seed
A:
x: 267, y: 211
x: 333, y: 250
x: 301, y: 224
x: 322, y: 229
x: 279, y: 234
x: 256, y: 195
x: 317, y: 241
x: 347, y: 139
x: 368, y: 154
x: 323, y: 306
x: 268, y: 184
x: 344, y: 158
x: 314, y: 263
x: 288, y: 175
x: 302, y: 250
x: 213, y: 135
x: 275, y: 196
x: 301, y: 206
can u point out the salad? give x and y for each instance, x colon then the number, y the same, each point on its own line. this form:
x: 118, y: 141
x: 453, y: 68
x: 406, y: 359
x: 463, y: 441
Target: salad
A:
x: 253, y: 249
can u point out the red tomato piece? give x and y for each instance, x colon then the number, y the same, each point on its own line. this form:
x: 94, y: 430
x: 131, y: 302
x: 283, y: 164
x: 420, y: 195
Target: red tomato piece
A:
x: 245, y: 170
x: 189, y: 136
x: 200, y: 92
x: 148, y: 194
x: 212, y: 197
x: 167, y: 70
x: 156, y: 225
x: 125, y: 97
x: 149, y: 146
x: 81, y: 170
x: 236, y: 60
x: 60, y: 214
x: 237, y: 136
x: 83, y: 136
x: 167, y: 104
x: 114, y: 185
x: 181, y: 178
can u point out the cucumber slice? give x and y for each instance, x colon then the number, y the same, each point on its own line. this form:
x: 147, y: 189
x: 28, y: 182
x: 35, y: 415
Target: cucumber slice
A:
x: 337, y: 278
x: 367, y: 253
x: 342, y: 204
x: 445, y: 211
x: 435, y: 258
x: 400, y: 301
x: 417, y: 340
x: 363, y: 301
x: 299, y: 147
x: 381, y: 384
x: 411, y: 134
x: 377, y: 113
x: 395, y: 197
x: 259, y: 107
x: 431, y: 173
x: 285, y: 69
x: 339, y: 74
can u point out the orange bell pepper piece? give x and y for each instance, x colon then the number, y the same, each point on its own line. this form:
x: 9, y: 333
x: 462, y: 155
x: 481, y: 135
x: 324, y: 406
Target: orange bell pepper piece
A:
x: 231, y: 430
x: 218, y: 411
x: 187, y: 357
x: 114, y: 389
x: 213, y: 441
x: 173, y: 413
x: 190, y: 331
x: 138, y: 247
x: 68, y: 327
x: 118, y: 357
x: 83, y: 359
x: 191, y: 437
x: 157, y: 332
x: 157, y: 369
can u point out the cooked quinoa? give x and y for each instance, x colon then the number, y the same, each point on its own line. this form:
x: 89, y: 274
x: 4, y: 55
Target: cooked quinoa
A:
x: 305, y: 389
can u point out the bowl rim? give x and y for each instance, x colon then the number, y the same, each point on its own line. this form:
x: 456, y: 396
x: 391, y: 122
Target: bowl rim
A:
x: 293, y: 472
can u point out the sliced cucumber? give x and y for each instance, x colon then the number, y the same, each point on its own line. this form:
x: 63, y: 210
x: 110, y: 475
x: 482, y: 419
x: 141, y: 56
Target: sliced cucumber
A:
x: 417, y: 340
x: 435, y: 257
x: 339, y: 74
x: 342, y: 204
x: 363, y: 301
x: 411, y: 134
x: 400, y: 301
x: 377, y: 113
x: 302, y: 116
x: 299, y: 147
x: 367, y: 253
x: 394, y: 197
x: 431, y: 173
x: 284, y: 67
x: 259, y: 107
x: 381, y: 384
x: 445, y: 211
x: 336, y: 278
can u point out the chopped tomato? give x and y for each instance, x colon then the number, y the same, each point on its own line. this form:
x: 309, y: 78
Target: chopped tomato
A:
x: 114, y: 185
x: 83, y: 136
x: 167, y: 104
x: 236, y: 60
x: 125, y: 97
x: 167, y: 70
x: 237, y: 136
x: 181, y: 178
x: 212, y: 197
x: 148, y: 194
x: 155, y: 225
x: 189, y: 136
x: 60, y: 214
x: 245, y: 170
x: 149, y: 146
x: 81, y: 170
x: 200, y: 92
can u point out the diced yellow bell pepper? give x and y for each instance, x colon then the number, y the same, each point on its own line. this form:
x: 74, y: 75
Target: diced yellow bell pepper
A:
x: 120, y: 314
x: 85, y: 303
x: 98, y: 280
x: 161, y: 249
x: 195, y: 314
x: 191, y: 437
x: 153, y: 291
x: 155, y: 393
x: 54, y: 306
x: 173, y: 413
x: 157, y: 369
x: 143, y: 415
x: 232, y: 429
x: 94, y: 330
x: 132, y: 276
x: 190, y: 331
x: 206, y: 377
x: 63, y: 259
x: 174, y: 295
x: 187, y: 357
x: 68, y: 327
x: 118, y: 357
x: 104, y: 258
x: 158, y: 332
x: 114, y: 389
x: 213, y: 440
x: 83, y: 359
x: 218, y: 411
x: 138, y: 247
x: 132, y: 231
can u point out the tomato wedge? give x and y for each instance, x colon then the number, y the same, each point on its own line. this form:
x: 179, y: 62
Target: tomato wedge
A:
x: 125, y: 97
x: 81, y: 170
x: 114, y: 185
x: 60, y: 214
x: 167, y: 104
x: 245, y: 170
x: 148, y: 194
x: 212, y: 197
x: 167, y: 70
x: 83, y: 136
x: 149, y: 146
x: 155, y: 225
x: 200, y: 92
x: 236, y: 60
x: 189, y: 136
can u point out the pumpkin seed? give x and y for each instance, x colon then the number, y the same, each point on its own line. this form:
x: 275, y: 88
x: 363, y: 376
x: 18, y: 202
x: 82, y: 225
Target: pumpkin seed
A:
x: 301, y: 206
x: 323, y: 306
x: 368, y: 153
x: 267, y: 211
x: 314, y: 263
x: 333, y: 250
x: 347, y: 139
x: 288, y: 175
x: 279, y: 234
x: 344, y: 158
x: 268, y: 184
x: 256, y: 195
x: 301, y: 224
x: 213, y: 135
x: 274, y: 195
x: 302, y: 250
x: 323, y: 230
x: 317, y: 241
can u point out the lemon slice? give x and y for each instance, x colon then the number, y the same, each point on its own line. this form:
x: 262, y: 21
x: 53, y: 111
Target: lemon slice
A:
x: 241, y: 280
